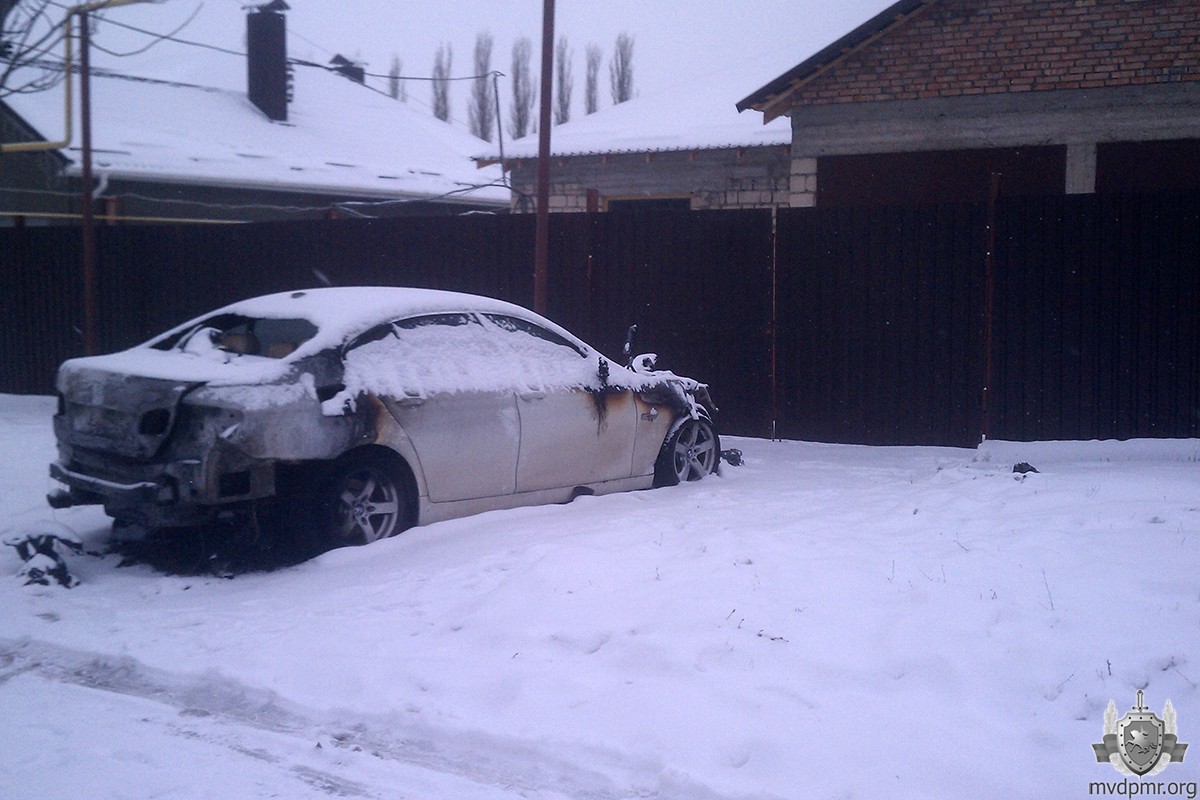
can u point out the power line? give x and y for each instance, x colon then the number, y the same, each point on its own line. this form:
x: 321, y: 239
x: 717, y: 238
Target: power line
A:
x: 171, y: 37
x: 158, y: 37
x: 155, y: 41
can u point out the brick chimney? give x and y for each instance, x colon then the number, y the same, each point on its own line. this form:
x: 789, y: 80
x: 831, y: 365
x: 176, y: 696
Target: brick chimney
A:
x: 266, y: 46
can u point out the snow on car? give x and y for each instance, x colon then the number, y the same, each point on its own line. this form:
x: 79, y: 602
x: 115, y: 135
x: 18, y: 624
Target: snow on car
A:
x: 351, y: 414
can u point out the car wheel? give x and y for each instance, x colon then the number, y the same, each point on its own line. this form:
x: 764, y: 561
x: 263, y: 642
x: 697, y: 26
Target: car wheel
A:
x: 366, y: 497
x: 688, y: 454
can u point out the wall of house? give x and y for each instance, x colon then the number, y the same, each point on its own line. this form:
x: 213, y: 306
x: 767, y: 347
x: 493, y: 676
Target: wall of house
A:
x: 929, y: 178
x: 750, y: 177
x: 153, y: 200
x: 968, y: 47
x: 31, y: 193
x: 30, y: 181
x: 968, y: 75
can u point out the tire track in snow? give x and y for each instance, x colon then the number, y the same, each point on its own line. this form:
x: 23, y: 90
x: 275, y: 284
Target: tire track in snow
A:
x: 506, y: 765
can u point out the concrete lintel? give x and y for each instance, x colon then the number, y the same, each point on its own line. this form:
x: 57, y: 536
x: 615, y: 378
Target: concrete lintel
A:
x: 1136, y: 113
x: 1081, y: 168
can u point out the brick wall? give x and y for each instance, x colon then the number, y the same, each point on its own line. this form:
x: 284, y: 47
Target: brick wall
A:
x: 726, y: 178
x: 975, y: 47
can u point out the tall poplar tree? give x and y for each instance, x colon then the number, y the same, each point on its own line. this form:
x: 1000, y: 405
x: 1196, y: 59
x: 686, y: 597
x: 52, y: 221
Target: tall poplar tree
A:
x: 481, y: 113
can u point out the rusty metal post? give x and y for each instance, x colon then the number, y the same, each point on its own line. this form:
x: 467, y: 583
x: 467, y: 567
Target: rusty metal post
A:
x: 988, y: 310
x: 90, y: 343
x: 541, y: 253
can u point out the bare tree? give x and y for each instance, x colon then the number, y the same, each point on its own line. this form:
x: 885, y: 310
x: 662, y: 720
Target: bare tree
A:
x: 481, y: 113
x: 563, y: 80
x: 441, y: 83
x: 591, y: 89
x: 31, y: 38
x: 520, y: 120
x: 396, y: 87
x: 620, y: 69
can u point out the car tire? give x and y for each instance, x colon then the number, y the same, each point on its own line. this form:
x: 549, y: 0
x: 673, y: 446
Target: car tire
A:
x: 690, y: 453
x: 365, y: 496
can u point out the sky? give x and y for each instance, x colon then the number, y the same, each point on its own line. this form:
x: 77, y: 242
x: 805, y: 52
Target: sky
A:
x: 675, y: 43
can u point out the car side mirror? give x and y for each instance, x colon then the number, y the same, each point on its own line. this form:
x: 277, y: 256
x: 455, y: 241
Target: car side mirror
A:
x: 627, y: 350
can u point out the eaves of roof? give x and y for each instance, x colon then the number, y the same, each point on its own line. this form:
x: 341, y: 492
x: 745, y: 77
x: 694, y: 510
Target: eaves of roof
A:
x: 469, y: 194
x: 771, y: 99
x: 644, y: 147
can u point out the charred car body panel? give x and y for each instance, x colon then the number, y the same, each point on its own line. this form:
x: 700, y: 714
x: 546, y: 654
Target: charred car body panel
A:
x: 483, y: 403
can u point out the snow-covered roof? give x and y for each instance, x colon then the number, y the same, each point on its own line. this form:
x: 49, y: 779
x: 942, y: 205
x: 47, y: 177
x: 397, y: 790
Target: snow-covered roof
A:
x: 697, y: 115
x: 188, y: 120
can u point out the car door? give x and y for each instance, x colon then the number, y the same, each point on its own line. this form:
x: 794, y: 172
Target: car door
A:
x: 573, y: 431
x: 444, y: 385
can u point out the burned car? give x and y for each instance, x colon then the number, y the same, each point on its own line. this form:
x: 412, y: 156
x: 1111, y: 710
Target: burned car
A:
x: 354, y: 413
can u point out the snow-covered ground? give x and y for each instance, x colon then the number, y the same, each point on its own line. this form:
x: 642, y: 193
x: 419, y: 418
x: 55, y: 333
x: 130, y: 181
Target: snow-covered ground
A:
x: 825, y: 621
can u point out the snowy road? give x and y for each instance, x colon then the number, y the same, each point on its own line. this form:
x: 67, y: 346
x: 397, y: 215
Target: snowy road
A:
x: 826, y: 621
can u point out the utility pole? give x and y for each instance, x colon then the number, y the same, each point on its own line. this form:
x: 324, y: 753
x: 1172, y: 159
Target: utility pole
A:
x: 541, y: 253
x: 90, y: 287
x: 90, y: 284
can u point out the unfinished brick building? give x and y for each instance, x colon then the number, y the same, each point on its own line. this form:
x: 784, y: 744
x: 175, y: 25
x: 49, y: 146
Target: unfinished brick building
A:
x: 931, y: 98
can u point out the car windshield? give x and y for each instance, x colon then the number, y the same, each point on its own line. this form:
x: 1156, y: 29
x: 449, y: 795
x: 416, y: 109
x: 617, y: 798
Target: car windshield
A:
x: 241, y: 335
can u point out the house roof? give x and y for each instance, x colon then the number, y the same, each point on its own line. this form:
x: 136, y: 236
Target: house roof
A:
x: 695, y: 115
x: 179, y: 114
x: 770, y: 98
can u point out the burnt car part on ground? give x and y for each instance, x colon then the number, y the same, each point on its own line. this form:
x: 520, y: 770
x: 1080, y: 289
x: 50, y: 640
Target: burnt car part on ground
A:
x: 346, y: 415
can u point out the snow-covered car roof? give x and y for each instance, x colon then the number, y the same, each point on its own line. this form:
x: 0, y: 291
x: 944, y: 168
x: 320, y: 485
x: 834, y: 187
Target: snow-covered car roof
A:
x: 338, y: 313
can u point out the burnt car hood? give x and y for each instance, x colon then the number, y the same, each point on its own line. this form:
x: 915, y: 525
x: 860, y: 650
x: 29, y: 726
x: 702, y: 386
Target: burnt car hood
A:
x: 126, y: 403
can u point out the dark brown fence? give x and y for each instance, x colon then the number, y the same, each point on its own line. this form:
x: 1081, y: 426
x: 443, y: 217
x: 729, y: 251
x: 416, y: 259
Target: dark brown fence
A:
x: 698, y: 285
x: 1097, y: 318
x: 880, y: 324
x: 1095, y: 321
x: 153, y: 277
x: 845, y: 325
x: 668, y: 272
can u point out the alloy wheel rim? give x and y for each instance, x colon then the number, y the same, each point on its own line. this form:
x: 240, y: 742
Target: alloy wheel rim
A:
x: 368, y: 507
x: 695, y: 450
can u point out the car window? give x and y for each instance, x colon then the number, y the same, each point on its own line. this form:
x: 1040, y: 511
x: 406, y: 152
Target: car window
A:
x: 241, y: 335
x: 461, y: 352
x: 379, y: 332
x: 393, y: 329
x: 426, y: 355
x: 447, y: 320
x: 524, y: 329
x: 543, y: 359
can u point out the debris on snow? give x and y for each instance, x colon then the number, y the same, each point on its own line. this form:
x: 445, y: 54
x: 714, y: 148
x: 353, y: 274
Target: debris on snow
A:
x: 42, y: 553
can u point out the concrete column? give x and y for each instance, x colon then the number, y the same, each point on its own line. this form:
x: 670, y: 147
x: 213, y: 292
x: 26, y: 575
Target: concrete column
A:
x: 804, y: 181
x: 1081, y: 168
